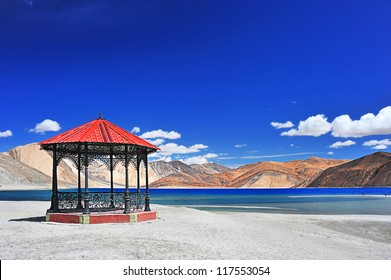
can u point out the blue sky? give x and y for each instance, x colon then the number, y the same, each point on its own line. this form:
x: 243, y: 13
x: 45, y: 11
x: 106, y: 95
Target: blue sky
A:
x: 206, y: 79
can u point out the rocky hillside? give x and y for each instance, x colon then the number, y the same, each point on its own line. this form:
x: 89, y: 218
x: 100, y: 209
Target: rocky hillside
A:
x: 15, y: 172
x: 280, y: 174
x: 371, y: 170
x: 195, y: 175
x: 163, y: 169
x: 33, y: 156
x: 210, y: 168
x: 259, y: 175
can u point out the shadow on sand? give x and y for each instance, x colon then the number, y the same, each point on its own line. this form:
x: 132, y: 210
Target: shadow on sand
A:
x: 31, y: 219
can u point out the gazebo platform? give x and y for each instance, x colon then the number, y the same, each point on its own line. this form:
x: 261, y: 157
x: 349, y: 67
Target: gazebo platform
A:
x: 102, y: 217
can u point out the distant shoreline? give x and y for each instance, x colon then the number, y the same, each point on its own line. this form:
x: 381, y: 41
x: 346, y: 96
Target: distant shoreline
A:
x: 49, y: 188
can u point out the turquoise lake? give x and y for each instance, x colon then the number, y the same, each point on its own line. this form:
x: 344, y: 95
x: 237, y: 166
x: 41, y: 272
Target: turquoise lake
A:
x: 329, y: 201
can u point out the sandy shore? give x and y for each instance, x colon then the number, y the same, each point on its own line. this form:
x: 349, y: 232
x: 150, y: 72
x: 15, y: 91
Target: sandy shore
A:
x: 10, y: 187
x: 183, y: 233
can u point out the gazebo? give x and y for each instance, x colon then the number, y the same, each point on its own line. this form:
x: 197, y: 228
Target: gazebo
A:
x: 103, y: 141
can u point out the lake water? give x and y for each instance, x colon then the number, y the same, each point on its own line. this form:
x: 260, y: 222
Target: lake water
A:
x: 329, y: 201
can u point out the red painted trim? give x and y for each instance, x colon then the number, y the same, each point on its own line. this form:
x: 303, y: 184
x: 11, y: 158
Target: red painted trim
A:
x: 101, y: 219
x: 146, y: 216
x: 64, y: 218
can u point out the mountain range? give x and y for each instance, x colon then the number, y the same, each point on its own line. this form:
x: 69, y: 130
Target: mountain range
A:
x: 29, y: 165
x: 258, y: 175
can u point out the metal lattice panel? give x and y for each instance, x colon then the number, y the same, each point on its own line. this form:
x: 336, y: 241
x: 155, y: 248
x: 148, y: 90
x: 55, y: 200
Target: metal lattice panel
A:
x: 100, y: 201
x: 68, y: 200
x: 75, y: 160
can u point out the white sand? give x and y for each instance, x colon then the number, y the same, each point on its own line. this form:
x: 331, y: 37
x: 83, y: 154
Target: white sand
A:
x: 183, y: 233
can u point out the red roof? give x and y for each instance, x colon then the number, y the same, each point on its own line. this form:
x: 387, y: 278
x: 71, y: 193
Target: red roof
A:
x: 99, y: 131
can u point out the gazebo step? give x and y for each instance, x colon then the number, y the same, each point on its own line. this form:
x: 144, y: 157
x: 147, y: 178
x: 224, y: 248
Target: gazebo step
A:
x: 101, y: 218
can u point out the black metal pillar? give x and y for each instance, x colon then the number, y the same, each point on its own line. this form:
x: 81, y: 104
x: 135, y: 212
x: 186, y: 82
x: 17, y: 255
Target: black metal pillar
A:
x: 147, y: 208
x: 138, y: 180
x: 111, y: 180
x: 87, y: 195
x: 79, y: 206
x: 54, y: 198
x: 126, y: 195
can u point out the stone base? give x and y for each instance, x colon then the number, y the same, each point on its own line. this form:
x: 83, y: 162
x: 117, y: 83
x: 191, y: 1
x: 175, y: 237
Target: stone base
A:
x: 101, y: 218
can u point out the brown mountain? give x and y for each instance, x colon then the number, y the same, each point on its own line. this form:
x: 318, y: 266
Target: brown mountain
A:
x: 280, y: 174
x: 259, y: 175
x: 33, y: 156
x: 14, y: 172
x: 211, y: 168
x: 370, y: 170
x: 164, y: 169
x: 30, y: 165
x: 195, y: 175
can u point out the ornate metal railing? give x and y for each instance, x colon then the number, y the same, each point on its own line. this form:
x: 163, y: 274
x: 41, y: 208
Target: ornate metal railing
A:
x: 99, y: 201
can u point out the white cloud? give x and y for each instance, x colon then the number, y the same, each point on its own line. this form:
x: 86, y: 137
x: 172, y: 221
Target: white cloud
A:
x: 6, y: 133
x: 378, y: 144
x: 368, y: 124
x: 211, y: 155
x: 135, y: 129
x: 156, y: 142
x: 172, y: 148
x: 46, y: 125
x: 240, y: 145
x: 160, y: 134
x: 269, y: 156
x: 195, y: 160
x: 380, y: 147
x: 330, y: 153
x: 343, y: 126
x: 190, y: 160
x: 278, y: 125
x: 339, y: 144
x: 313, y: 126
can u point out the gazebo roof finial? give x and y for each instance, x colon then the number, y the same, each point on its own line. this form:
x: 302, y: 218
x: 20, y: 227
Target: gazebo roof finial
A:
x: 100, y: 116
